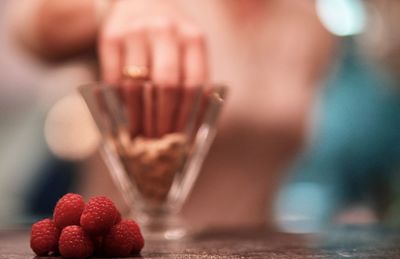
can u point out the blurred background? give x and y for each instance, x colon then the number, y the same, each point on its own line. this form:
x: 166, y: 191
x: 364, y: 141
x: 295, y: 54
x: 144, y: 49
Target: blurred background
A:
x: 35, y: 168
x: 347, y: 173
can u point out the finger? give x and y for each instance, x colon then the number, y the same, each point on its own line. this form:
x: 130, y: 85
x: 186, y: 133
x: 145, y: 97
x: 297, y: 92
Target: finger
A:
x: 165, y: 73
x: 136, y: 47
x: 148, y: 111
x: 110, y: 56
x: 194, y: 68
x: 132, y: 93
x: 135, y: 55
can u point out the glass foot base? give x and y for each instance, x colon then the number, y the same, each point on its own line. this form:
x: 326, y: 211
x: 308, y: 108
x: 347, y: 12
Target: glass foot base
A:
x: 175, y: 233
x: 163, y: 227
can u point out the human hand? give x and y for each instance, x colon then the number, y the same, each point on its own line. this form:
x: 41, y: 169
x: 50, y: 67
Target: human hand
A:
x: 152, y: 37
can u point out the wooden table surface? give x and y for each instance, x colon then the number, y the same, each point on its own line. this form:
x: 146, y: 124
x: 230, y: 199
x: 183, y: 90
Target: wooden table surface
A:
x: 349, y: 242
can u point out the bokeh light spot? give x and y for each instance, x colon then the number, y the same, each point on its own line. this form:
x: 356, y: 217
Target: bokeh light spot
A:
x: 342, y: 17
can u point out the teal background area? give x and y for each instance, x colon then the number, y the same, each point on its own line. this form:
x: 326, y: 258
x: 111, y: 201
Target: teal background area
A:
x: 355, y: 150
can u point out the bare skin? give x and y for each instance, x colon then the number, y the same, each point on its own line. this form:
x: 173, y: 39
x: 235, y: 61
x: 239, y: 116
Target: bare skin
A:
x: 271, y: 54
x: 55, y: 29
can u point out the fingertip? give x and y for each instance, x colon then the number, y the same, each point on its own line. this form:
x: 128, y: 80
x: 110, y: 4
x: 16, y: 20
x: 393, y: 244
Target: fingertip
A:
x: 168, y: 99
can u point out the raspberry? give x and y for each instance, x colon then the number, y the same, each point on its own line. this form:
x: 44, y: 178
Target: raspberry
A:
x: 68, y: 210
x: 123, y: 239
x: 75, y: 243
x: 135, y: 230
x: 98, y: 216
x: 44, y: 237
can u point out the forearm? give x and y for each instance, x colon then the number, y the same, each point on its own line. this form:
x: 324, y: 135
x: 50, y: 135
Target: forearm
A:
x: 57, y: 28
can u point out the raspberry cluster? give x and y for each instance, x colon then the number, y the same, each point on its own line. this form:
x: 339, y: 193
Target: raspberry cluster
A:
x: 80, y: 230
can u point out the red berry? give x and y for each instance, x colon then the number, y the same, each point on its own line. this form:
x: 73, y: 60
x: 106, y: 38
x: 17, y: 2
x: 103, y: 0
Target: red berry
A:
x: 68, y: 210
x: 123, y: 239
x: 44, y: 237
x: 135, y: 230
x: 98, y: 216
x: 75, y: 243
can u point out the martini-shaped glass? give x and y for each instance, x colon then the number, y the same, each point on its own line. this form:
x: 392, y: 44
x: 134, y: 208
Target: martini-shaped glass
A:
x: 154, y: 174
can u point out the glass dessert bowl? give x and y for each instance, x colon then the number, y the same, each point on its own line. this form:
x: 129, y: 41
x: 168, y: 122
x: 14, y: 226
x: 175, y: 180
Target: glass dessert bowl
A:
x: 155, y: 174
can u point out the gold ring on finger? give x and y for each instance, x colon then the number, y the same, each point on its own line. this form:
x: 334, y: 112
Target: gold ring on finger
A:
x: 136, y: 72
